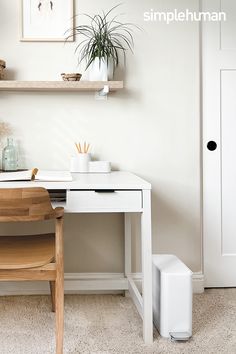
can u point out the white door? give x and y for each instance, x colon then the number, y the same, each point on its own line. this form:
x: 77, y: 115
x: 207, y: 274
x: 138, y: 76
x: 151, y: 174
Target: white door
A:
x: 219, y: 146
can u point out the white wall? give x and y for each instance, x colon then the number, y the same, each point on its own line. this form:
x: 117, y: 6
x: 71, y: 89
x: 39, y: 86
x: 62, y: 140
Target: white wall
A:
x: 151, y: 128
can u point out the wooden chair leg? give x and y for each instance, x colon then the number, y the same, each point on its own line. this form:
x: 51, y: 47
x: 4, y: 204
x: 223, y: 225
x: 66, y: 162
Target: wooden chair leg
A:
x: 52, y: 291
x: 59, y: 287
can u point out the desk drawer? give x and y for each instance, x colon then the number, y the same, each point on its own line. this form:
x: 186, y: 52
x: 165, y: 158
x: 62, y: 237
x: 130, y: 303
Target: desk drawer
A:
x: 104, y: 201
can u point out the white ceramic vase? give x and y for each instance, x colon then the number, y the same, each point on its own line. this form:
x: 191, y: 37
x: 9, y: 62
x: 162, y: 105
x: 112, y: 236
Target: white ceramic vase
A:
x: 101, y: 70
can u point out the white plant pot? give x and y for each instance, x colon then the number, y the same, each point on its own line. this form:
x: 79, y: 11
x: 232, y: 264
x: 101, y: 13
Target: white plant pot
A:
x: 100, y: 71
x: 110, y: 71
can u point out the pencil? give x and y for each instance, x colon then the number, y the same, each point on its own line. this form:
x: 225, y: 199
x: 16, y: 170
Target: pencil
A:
x: 87, y: 148
x: 77, y: 147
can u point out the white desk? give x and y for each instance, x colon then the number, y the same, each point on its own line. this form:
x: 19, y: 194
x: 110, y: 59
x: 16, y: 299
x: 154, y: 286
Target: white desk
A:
x: 120, y: 192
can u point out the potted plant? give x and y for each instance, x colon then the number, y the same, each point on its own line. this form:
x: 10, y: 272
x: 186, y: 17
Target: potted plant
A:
x: 104, y: 40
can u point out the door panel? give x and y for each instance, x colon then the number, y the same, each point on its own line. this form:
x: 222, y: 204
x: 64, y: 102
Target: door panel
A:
x: 228, y: 161
x: 219, y: 166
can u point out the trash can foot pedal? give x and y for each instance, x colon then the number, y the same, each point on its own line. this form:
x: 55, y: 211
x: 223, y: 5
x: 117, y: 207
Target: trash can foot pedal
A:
x: 179, y: 336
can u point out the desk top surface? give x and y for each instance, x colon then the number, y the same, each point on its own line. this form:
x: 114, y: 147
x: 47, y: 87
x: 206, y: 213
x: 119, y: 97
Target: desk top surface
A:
x: 86, y: 181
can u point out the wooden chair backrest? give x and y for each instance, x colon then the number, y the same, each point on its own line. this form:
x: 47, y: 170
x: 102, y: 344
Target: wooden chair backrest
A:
x: 27, y: 204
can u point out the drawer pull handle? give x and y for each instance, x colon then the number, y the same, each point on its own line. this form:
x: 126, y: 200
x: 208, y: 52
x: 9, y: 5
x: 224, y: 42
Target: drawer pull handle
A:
x: 104, y: 191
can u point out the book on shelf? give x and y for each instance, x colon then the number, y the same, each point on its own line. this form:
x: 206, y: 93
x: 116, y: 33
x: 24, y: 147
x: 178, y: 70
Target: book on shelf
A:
x: 36, y: 175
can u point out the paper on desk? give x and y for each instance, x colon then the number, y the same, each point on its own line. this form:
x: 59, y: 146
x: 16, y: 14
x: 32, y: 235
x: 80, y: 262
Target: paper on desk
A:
x: 53, y: 176
x: 41, y: 175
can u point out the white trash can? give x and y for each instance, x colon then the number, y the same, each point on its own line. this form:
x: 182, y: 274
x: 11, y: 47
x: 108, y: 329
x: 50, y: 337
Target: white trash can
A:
x: 172, y: 297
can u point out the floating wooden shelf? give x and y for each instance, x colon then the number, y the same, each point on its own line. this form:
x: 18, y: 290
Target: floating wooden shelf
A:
x: 93, y: 86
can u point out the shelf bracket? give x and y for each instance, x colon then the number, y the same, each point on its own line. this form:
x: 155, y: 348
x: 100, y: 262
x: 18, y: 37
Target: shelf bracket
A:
x: 102, y: 94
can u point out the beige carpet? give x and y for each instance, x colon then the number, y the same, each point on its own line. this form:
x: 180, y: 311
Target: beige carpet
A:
x: 105, y: 324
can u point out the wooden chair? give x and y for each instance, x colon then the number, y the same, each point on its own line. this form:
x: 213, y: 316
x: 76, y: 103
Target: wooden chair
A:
x: 37, y: 257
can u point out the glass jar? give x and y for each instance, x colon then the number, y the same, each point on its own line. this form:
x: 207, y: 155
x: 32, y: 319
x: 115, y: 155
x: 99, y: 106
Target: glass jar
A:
x: 9, y: 157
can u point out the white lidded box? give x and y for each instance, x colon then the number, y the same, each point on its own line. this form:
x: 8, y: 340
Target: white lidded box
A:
x: 172, y: 297
x: 99, y: 167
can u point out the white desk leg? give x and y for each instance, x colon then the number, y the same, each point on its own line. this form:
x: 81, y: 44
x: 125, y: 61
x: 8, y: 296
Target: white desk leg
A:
x: 146, y: 236
x: 128, y: 258
x: 127, y: 243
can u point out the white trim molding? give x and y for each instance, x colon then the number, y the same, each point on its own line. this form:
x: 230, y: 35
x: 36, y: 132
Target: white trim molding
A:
x: 198, y: 283
x: 87, y: 283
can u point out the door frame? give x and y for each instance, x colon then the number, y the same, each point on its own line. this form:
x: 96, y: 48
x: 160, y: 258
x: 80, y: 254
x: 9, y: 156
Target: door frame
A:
x: 201, y: 137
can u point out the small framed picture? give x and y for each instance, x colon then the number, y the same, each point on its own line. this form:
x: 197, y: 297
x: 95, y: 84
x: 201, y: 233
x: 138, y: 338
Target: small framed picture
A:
x: 47, y: 20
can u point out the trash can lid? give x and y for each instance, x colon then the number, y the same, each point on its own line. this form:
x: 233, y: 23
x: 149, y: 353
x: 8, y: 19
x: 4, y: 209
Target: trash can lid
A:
x: 169, y: 263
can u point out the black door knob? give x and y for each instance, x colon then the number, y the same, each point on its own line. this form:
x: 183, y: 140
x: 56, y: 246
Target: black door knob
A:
x: 211, y: 145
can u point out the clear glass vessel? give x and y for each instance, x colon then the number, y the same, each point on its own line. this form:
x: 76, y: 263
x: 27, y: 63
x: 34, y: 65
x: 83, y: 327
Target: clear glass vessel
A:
x: 9, y: 157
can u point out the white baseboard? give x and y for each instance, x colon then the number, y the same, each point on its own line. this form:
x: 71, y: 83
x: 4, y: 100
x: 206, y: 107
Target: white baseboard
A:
x: 75, y: 283
x: 198, y: 283
x: 86, y: 283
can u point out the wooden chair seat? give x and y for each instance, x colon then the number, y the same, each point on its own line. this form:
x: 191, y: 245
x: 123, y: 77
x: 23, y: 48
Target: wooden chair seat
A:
x: 21, y: 252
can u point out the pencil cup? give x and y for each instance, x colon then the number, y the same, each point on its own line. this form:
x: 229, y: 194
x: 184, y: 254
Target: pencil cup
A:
x: 80, y: 163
